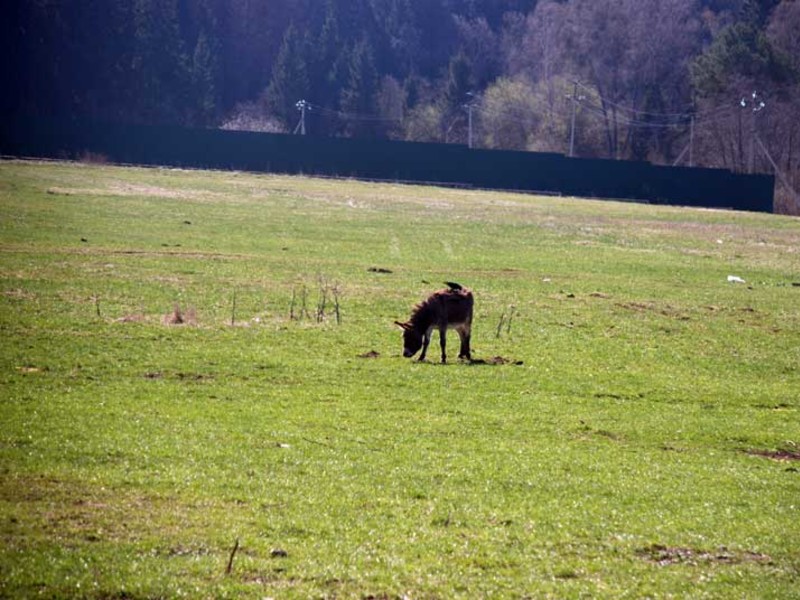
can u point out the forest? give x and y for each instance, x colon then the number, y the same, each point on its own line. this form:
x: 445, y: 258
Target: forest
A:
x: 694, y: 82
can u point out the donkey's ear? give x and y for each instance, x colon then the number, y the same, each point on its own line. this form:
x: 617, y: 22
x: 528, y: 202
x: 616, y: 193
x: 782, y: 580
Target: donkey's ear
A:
x: 402, y: 325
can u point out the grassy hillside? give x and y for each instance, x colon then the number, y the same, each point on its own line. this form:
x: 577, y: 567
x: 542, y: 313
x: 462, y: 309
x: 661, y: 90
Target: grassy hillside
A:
x: 631, y: 429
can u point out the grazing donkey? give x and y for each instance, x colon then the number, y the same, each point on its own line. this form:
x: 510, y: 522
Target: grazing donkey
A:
x: 446, y: 308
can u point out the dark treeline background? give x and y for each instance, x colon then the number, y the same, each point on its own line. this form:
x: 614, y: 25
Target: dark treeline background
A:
x: 661, y: 80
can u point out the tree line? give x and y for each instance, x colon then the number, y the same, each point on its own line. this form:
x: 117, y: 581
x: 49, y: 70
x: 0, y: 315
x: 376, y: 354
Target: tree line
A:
x: 700, y: 82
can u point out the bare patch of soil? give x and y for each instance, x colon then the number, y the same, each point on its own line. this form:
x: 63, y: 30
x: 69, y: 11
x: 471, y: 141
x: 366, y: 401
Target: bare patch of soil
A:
x: 779, y: 455
x: 19, y: 294
x: 495, y: 361
x: 666, y: 311
x: 178, y: 376
x: 370, y: 354
x: 193, y: 377
x: 177, y: 317
x: 612, y: 396
x: 586, y: 432
x: 672, y: 555
x: 132, y: 318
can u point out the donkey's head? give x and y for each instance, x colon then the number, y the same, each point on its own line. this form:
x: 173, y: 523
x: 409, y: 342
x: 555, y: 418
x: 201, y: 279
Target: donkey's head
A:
x: 412, y: 339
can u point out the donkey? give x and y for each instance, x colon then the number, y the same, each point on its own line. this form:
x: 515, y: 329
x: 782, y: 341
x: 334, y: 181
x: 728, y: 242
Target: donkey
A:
x: 446, y: 308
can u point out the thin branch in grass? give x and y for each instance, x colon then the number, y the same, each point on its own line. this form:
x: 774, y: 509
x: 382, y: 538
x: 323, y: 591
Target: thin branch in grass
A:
x: 97, y: 306
x: 506, y: 319
x: 295, y: 313
x: 323, y: 299
x: 336, y: 305
x: 511, y: 312
x: 229, y: 568
x: 303, y: 304
x: 500, y: 325
x: 233, y: 309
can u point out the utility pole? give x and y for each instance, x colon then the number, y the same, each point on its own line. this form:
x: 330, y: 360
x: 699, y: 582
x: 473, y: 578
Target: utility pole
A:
x: 468, y: 107
x: 575, y: 99
x: 756, y: 105
x: 302, y: 106
x: 689, y: 147
x: 469, y: 119
x: 795, y: 196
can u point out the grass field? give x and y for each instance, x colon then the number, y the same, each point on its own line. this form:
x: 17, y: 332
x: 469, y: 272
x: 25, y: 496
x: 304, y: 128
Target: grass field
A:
x: 632, y: 430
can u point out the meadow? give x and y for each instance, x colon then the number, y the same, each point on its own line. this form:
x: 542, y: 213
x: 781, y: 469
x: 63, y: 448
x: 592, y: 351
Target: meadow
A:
x: 203, y: 395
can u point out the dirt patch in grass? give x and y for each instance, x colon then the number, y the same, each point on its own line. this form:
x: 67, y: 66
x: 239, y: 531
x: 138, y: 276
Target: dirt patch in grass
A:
x: 495, y: 361
x: 71, y: 512
x: 126, y: 189
x: 370, y: 354
x: 19, y: 294
x: 179, y: 376
x: 131, y: 318
x: 782, y: 455
x: 179, y: 317
x: 673, y: 555
x: 666, y: 311
x: 614, y: 396
x: 586, y: 432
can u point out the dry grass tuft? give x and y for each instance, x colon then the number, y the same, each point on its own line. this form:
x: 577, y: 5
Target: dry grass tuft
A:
x: 132, y: 318
x: 177, y: 317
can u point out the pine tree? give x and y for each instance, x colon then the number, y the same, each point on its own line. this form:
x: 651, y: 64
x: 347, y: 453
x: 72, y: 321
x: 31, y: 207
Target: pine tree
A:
x: 740, y: 54
x: 205, y: 73
x: 290, y: 81
x: 358, y: 97
x: 328, y: 69
x: 159, y: 64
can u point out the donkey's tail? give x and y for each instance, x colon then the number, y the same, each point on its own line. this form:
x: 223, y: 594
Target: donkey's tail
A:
x: 454, y: 286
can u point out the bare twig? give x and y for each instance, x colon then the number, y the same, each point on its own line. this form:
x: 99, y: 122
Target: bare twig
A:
x: 303, y: 307
x: 229, y: 568
x: 500, y: 325
x: 511, y: 311
x: 336, y: 305
x: 233, y: 309
x: 505, y: 319
x: 323, y: 299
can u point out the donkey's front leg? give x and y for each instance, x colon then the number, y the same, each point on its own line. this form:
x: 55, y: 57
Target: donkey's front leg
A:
x: 443, y: 342
x: 426, y: 339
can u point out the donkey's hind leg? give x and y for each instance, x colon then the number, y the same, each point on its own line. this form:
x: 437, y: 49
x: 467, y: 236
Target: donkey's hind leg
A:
x: 464, y: 334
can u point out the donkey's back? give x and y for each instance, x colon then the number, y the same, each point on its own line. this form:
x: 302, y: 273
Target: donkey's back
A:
x: 456, y: 305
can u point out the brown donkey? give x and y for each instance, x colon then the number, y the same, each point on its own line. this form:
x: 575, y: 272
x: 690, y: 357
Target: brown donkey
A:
x: 446, y: 308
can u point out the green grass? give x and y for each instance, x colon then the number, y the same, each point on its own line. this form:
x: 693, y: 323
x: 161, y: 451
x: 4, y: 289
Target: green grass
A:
x: 627, y: 456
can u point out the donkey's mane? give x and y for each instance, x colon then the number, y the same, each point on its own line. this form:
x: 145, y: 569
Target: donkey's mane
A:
x: 421, y: 310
